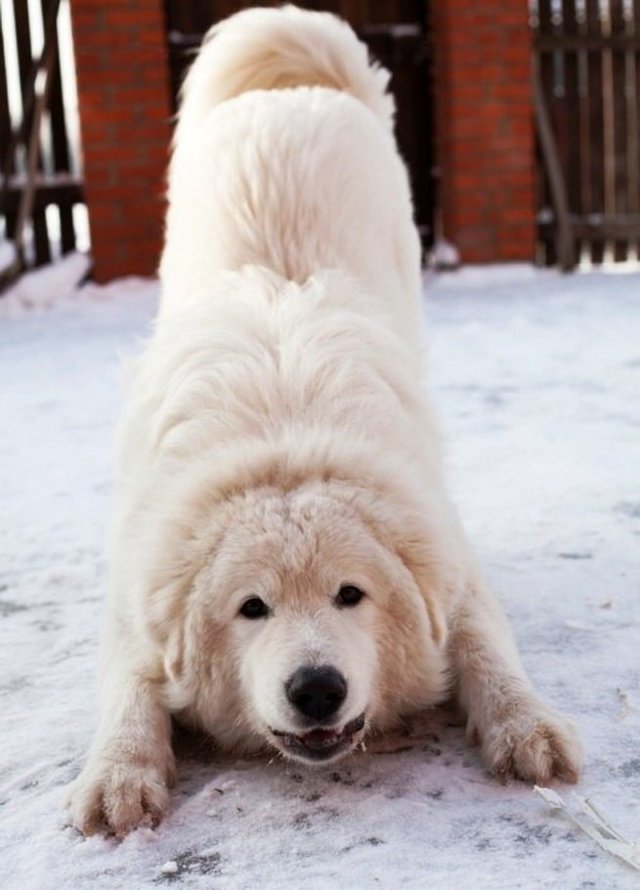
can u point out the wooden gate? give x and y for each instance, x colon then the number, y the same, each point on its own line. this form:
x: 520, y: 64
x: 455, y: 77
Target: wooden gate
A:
x: 396, y: 32
x: 588, y: 78
x: 58, y: 214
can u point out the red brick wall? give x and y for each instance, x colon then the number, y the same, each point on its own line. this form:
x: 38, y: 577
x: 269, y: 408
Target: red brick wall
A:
x: 484, y: 128
x: 123, y: 94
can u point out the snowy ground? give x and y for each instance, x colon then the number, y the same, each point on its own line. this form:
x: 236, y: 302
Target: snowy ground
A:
x: 538, y: 380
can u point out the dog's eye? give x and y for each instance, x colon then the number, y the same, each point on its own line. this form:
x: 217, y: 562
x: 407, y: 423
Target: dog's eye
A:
x: 349, y: 595
x: 254, y: 608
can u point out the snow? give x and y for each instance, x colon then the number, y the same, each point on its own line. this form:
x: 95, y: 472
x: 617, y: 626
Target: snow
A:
x: 47, y: 287
x: 7, y: 255
x: 443, y: 255
x: 537, y: 377
x: 170, y: 868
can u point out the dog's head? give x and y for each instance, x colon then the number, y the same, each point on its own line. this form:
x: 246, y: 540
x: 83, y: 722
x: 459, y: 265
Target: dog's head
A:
x: 306, y: 625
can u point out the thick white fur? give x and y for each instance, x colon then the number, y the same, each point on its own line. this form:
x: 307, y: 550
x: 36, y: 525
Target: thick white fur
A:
x: 278, y: 442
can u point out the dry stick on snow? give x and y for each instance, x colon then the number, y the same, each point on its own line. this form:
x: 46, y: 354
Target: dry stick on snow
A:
x: 596, y: 826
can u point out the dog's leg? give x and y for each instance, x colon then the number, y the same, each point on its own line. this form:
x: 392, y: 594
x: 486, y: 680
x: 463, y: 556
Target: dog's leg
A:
x: 124, y: 783
x: 518, y: 733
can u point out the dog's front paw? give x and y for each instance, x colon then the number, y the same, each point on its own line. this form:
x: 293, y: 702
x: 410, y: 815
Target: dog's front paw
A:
x: 116, y: 795
x: 533, y: 743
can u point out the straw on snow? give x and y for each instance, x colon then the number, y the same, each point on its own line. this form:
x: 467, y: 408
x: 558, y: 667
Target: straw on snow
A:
x: 596, y: 826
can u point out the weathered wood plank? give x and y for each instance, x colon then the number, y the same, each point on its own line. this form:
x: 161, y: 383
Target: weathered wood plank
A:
x: 546, y: 75
x: 620, y: 198
x: 5, y: 118
x: 596, y: 125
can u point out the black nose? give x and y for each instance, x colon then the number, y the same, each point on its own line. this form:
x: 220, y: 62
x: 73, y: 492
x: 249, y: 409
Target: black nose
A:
x: 316, y: 692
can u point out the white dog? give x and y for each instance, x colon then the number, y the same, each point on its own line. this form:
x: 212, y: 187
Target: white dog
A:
x: 288, y: 572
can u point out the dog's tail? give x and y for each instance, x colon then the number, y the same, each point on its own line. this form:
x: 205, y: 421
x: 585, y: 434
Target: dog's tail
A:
x: 270, y: 49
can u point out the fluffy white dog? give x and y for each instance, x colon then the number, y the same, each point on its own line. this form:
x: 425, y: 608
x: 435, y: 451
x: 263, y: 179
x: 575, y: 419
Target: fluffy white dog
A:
x: 288, y: 572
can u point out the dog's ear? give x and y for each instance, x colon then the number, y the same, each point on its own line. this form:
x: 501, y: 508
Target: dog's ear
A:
x: 423, y: 549
x: 419, y: 560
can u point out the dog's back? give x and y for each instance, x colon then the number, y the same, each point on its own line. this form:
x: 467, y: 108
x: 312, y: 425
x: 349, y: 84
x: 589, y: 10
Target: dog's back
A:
x: 284, y: 158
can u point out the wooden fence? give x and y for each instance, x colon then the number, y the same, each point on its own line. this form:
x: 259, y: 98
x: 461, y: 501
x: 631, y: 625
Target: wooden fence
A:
x: 587, y: 72
x: 57, y: 220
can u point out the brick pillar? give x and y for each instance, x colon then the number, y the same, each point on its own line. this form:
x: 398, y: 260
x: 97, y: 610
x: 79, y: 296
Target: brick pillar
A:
x: 123, y: 93
x: 485, y: 128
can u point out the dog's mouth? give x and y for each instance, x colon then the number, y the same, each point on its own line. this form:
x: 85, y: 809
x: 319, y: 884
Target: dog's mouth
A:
x: 320, y: 744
